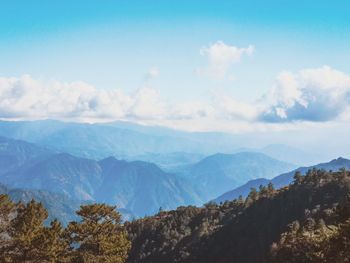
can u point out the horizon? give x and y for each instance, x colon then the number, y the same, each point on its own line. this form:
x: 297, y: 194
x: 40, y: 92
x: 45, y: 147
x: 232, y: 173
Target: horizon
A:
x: 236, y: 143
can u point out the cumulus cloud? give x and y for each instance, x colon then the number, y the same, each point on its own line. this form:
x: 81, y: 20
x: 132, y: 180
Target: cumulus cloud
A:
x: 320, y: 94
x: 221, y: 56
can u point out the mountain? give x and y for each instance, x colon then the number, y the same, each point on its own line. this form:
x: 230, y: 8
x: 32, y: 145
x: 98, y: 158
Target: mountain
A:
x: 282, y: 180
x: 60, y: 173
x: 119, y: 139
x: 298, y: 223
x: 140, y: 187
x: 143, y: 187
x: 286, y: 153
x: 14, y: 153
x: 219, y: 173
x: 126, y: 140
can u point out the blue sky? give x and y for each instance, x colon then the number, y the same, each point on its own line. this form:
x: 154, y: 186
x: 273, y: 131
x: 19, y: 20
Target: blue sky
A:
x: 235, y: 65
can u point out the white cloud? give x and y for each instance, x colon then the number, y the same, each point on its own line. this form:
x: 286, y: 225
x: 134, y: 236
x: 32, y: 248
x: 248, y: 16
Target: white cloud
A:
x: 26, y: 97
x: 147, y: 104
x: 221, y: 56
x: 232, y: 109
x: 308, y: 96
x: 320, y: 94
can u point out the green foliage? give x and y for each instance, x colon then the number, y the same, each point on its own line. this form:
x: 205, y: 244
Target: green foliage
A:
x: 315, y: 243
x: 25, y: 231
x: 6, y: 208
x: 55, y: 246
x: 99, y: 236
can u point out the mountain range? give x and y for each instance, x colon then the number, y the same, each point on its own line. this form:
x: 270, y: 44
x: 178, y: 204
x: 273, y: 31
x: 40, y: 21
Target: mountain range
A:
x: 162, y: 168
x: 281, y: 180
x: 166, y: 147
x: 122, y: 140
x: 138, y: 186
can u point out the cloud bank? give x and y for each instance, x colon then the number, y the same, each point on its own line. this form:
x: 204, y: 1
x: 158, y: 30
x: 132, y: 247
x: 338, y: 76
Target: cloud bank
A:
x: 310, y: 95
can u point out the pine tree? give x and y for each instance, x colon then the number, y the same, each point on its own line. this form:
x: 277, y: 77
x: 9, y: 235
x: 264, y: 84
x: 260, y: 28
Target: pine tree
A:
x: 270, y: 188
x: 99, y: 237
x: 252, y: 196
x: 298, y: 178
x: 7, y: 208
x: 263, y: 192
x: 54, y: 245
x: 240, y: 200
x: 25, y: 234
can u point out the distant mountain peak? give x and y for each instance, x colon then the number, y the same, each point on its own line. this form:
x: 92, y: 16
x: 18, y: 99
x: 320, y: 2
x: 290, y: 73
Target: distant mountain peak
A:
x: 340, y: 160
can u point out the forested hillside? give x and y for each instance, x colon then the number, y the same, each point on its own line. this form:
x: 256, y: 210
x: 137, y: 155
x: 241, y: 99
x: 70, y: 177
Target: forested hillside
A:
x: 290, y: 222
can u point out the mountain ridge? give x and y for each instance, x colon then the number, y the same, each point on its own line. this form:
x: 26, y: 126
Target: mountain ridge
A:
x: 135, y: 185
x: 282, y: 179
x: 220, y: 172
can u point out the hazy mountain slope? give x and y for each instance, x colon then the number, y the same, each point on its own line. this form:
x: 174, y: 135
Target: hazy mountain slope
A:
x: 60, y: 173
x: 219, y: 173
x: 286, y: 153
x: 282, y: 180
x: 142, y: 187
x: 170, y: 161
x: 14, y: 153
x: 112, y: 139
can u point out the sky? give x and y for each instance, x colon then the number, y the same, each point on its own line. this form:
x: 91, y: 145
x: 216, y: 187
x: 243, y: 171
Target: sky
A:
x: 231, y: 66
